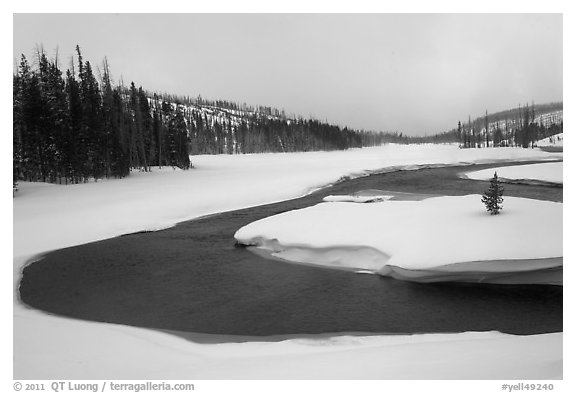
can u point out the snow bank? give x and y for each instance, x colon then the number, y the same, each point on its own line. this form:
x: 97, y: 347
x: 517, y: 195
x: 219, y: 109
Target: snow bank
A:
x: 414, y: 235
x: 48, y: 217
x: 356, y: 198
x: 365, y: 196
x: 549, y: 172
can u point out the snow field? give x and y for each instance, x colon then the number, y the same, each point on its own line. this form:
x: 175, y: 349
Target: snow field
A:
x: 47, y: 217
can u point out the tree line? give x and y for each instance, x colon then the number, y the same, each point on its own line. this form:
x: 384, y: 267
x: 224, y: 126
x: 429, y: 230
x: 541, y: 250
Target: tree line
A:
x: 71, y: 127
x: 68, y: 128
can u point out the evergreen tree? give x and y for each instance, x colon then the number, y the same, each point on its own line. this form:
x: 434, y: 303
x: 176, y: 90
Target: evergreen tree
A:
x: 137, y: 131
x: 179, y: 142
x: 487, y: 127
x: 55, y: 118
x: 498, y: 136
x: 492, y: 197
x: 31, y: 132
x: 148, y: 143
x: 114, y: 149
x: 158, y: 132
x: 73, y: 150
x: 16, y: 132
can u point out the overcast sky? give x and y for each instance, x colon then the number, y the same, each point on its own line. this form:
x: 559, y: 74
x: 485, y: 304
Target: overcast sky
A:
x: 413, y: 73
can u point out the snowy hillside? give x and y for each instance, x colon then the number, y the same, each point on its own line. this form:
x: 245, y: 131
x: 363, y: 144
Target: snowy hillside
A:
x: 555, y: 140
x: 543, y: 119
x: 220, y: 113
x: 514, y: 127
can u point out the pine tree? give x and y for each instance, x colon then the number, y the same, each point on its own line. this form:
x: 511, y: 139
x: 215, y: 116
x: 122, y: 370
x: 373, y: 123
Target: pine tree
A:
x: 74, y: 151
x: 17, y: 132
x: 179, y: 148
x: 486, y: 127
x: 498, y: 136
x: 492, y: 198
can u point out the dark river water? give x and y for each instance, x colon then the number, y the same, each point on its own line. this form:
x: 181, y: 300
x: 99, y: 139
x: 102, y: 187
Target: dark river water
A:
x: 192, y: 278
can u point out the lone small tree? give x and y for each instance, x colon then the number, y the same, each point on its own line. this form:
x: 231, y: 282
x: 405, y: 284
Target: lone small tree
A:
x: 492, y: 198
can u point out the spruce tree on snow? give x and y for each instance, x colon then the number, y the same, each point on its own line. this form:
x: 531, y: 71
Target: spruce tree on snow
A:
x: 492, y: 198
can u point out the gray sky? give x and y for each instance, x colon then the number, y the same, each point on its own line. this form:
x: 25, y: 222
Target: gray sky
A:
x: 413, y: 73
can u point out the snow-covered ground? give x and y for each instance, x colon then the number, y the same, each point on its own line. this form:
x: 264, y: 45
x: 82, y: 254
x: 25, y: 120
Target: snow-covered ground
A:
x: 48, y: 217
x: 405, y: 234
x: 555, y: 140
x: 551, y: 172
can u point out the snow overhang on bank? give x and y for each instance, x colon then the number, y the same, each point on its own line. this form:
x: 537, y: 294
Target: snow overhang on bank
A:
x: 550, y: 172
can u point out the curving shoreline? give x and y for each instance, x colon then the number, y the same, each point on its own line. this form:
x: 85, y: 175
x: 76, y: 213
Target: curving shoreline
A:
x: 112, y: 281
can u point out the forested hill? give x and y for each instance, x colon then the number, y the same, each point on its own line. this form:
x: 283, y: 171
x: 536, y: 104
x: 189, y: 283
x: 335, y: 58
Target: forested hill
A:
x: 520, y: 126
x: 70, y: 126
x: 226, y: 128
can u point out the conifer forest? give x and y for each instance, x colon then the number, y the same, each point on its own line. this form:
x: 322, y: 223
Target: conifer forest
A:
x: 72, y: 126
